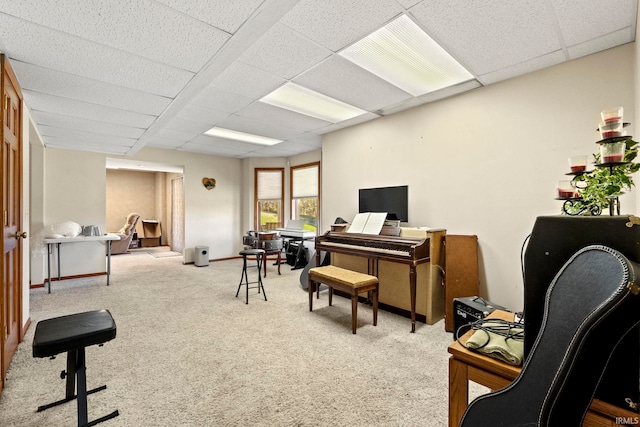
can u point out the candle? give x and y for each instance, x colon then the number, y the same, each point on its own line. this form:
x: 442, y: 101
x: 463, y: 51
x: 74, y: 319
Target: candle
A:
x: 612, y: 158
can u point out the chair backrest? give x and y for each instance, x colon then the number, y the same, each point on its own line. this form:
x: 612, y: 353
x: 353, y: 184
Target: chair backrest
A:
x: 130, y: 224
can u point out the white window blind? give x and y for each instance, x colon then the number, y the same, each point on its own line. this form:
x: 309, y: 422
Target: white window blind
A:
x: 269, y: 185
x: 305, y: 182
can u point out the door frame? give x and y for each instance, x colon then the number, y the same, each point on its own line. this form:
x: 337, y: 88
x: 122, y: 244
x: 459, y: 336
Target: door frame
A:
x: 6, y: 73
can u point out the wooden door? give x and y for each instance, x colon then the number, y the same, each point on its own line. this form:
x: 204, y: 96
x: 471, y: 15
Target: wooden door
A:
x: 11, y: 264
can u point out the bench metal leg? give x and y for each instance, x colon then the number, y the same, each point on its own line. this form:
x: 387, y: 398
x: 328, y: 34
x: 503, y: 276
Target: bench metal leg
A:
x: 76, y: 367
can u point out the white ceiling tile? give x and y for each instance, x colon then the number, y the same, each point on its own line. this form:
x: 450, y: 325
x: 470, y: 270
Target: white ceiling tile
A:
x: 335, y: 25
x: 227, y: 15
x: 69, y: 107
x: 214, y: 150
x: 166, y: 143
x: 67, y: 144
x: 449, y: 91
x: 581, y: 21
x: 281, y: 117
x: 43, y: 118
x: 351, y: 122
x: 523, y: 68
x: 175, y: 135
x: 83, y: 136
x: 489, y: 35
x: 52, y: 82
x: 309, y: 138
x: 212, y: 141
x: 430, y: 97
x: 616, y: 38
x: 343, y: 80
x: 292, y: 147
x: 243, y: 124
x: 284, y: 52
x: 218, y: 99
x: 138, y: 27
x: 274, y: 151
x: 248, y: 81
x: 201, y: 114
x: 187, y: 125
x: 50, y: 48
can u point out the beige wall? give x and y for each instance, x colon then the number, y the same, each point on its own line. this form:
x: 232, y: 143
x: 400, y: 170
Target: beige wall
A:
x: 74, y: 185
x: 485, y: 162
x: 127, y: 192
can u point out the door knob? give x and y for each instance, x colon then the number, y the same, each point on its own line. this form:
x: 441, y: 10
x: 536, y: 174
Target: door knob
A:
x: 22, y: 234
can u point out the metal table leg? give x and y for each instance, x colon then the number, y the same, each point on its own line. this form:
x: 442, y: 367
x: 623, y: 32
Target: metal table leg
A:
x: 108, y: 260
x: 49, y: 266
x: 58, y: 248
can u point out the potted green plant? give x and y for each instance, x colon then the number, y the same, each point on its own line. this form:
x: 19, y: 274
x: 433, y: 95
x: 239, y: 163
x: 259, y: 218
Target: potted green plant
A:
x: 599, y: 189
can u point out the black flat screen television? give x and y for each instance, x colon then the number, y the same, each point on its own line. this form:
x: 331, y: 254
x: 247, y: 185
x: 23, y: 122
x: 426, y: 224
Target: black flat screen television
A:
x: 393, y: 200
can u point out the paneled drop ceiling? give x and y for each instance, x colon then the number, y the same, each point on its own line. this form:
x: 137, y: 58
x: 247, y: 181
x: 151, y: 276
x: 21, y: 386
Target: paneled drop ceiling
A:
x: 116, y: 76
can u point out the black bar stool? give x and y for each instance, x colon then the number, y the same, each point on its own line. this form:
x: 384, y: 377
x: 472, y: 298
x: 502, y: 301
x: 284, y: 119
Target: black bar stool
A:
x: 244, y: 279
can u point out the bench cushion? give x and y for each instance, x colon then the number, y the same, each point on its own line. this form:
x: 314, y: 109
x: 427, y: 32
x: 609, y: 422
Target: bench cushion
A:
x: 66, y: 333
x: 341, y: 275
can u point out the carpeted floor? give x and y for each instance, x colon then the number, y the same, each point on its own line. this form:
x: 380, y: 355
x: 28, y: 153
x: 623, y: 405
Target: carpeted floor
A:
x: 189, y: 353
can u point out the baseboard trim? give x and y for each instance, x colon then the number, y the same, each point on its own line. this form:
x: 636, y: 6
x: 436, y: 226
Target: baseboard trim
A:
x: 55, y: 279
x: 24, y: 328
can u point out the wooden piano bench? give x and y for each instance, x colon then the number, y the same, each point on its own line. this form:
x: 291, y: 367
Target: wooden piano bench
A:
x: 72, y: 334
x: 351, y: 282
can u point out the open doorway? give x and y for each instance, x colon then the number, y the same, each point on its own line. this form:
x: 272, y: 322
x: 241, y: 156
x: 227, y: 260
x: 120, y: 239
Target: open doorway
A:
x: 152, y: 190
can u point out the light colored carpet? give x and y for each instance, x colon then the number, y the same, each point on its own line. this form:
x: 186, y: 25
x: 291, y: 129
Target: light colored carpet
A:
x: 164, y: 254
x: 189, y: 353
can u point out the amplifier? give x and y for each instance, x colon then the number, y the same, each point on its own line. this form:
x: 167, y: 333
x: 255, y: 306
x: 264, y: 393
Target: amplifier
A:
x: 469, y: 309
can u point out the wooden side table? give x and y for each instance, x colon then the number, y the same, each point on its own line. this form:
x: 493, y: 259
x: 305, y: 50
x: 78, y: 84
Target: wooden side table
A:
x: 466, y: 365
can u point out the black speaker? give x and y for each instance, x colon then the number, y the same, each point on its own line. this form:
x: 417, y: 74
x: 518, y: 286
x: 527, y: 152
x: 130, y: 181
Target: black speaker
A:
x: 553, y: 240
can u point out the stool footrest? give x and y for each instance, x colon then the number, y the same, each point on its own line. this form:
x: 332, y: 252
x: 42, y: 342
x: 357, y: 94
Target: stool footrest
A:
x: 101, y: 419
x: 69, y: 399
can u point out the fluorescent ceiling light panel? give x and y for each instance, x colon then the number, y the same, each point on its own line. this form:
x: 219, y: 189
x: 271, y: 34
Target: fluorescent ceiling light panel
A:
x: 311, y: 103
x: 241, y: 136
x: 405, y: 56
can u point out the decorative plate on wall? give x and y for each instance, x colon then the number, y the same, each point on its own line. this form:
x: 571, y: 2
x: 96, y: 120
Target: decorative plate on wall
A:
x: 208, y: 183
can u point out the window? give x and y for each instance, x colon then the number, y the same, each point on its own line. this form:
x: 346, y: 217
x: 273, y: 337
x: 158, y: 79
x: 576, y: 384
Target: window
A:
x: 305, y: 194
x: 269, y: 197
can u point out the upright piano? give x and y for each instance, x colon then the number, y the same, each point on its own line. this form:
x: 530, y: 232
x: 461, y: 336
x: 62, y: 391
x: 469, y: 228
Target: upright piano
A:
x: 407, y: 267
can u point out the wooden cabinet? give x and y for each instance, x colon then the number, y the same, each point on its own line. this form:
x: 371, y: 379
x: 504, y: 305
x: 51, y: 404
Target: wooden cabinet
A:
x: 461, y: 271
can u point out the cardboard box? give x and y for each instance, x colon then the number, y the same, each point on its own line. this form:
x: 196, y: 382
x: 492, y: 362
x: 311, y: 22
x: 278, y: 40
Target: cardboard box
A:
x: 149, y: 233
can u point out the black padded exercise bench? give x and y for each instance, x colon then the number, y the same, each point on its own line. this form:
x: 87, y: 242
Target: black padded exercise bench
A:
x: 72, y: 334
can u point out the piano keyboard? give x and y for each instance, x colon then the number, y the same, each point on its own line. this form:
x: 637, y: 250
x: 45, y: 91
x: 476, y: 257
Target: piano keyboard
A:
x: 369, y: 248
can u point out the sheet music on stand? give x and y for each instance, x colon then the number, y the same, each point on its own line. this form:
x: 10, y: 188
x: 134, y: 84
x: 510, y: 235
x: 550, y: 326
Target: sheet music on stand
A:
x: 368, y: 223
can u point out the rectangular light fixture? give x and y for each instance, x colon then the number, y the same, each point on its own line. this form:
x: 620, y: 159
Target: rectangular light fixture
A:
x: 305, y: 101
x: 405, y: 56
x: 241, y: 136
